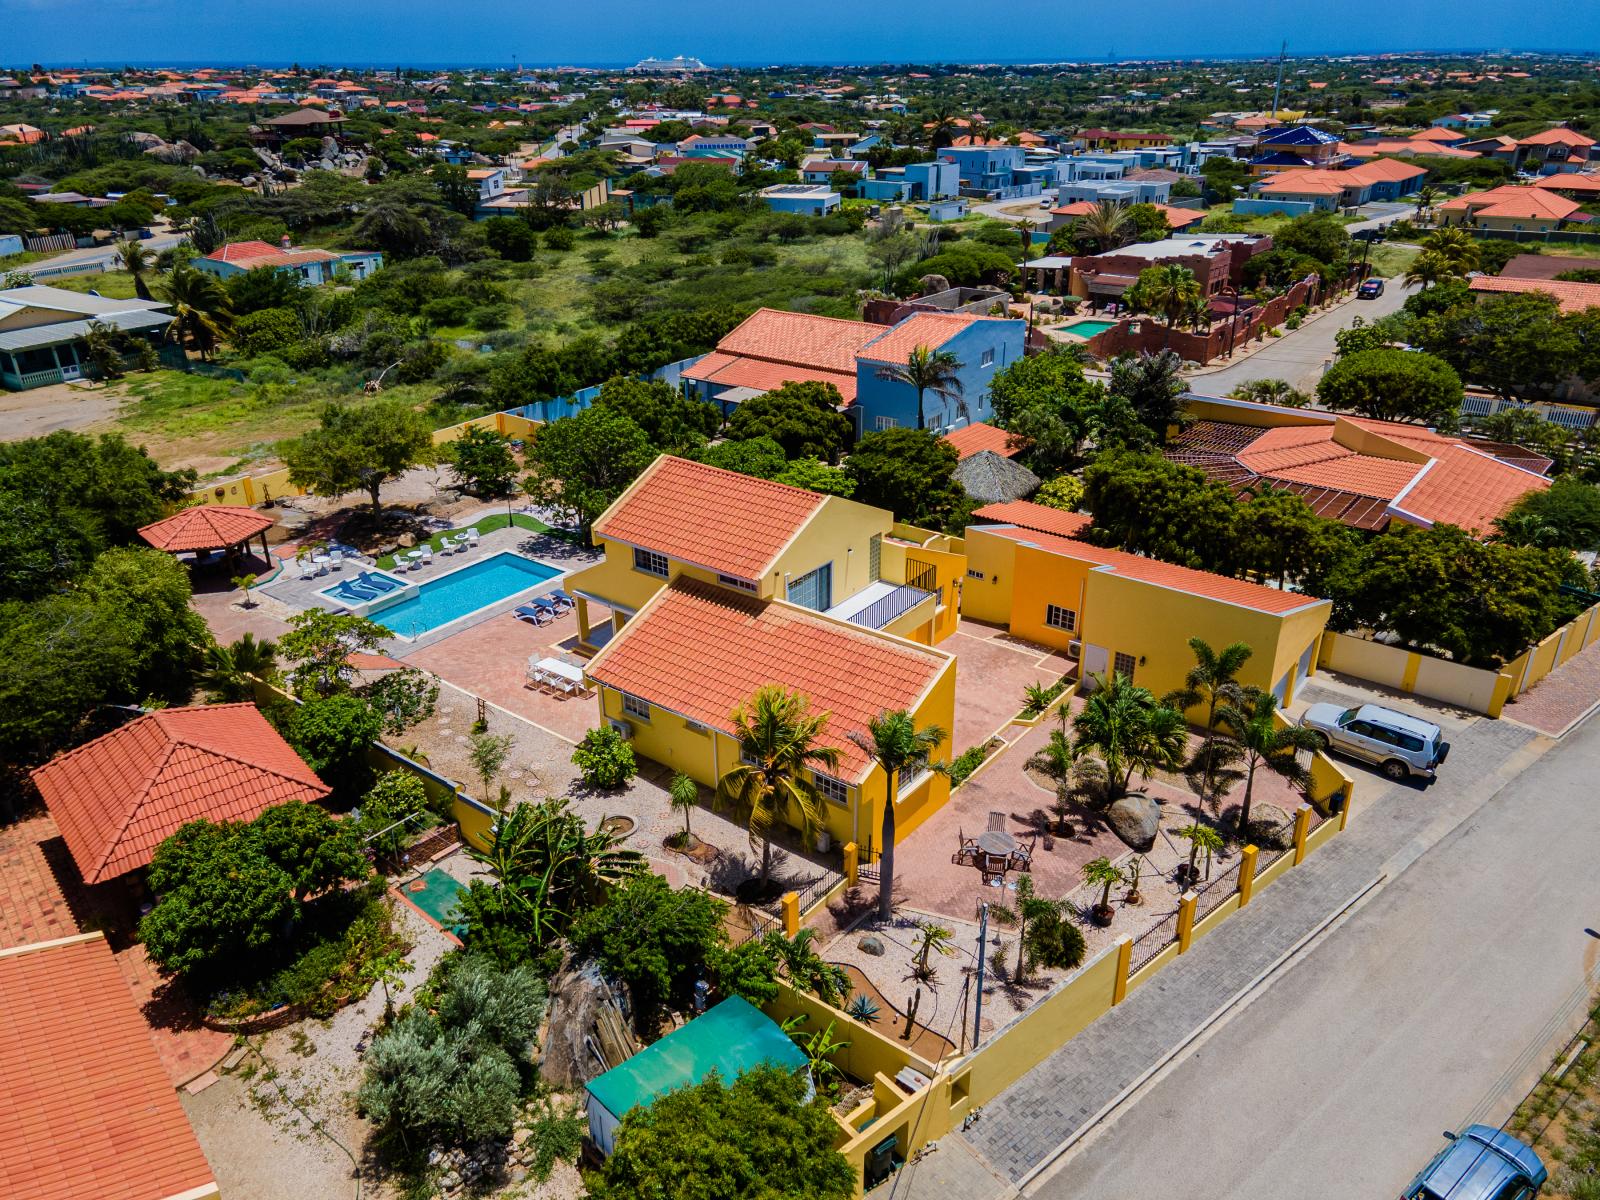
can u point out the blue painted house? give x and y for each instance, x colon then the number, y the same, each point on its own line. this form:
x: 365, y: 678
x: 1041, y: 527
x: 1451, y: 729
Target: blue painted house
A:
x: 308, y: 266
x: 991, y: 169
x: 932, y: 180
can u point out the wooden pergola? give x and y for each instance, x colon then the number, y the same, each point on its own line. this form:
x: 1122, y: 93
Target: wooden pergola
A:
x: 209, y: 527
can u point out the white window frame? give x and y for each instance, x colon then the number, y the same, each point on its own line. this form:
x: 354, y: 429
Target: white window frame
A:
x: 631, y: 706
x: 1058, y: 616
x: 988, y: 358
x: 733, y: 581
x: 645, y: 561
x: 834, y: 791
x: 910, y: 783
x: 882, y: 423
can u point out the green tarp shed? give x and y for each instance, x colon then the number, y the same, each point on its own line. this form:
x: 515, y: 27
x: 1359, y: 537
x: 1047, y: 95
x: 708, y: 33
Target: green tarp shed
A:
x: 732, y: 1038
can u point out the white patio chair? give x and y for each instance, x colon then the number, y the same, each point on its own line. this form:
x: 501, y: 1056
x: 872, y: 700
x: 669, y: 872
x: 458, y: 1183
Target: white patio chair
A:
x: 335, y: 560
x: 472, y: 536
x: 307, y: 569
x: 427, y: 553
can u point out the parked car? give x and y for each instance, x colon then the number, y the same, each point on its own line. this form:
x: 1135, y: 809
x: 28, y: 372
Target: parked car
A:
x: 1480, y: 1163
x: 1399, y: 745
x: 1370, y: 289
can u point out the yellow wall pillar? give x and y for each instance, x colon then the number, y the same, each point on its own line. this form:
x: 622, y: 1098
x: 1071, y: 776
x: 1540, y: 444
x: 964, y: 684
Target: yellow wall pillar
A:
x: 1302, y: 826
x: 1408, y: 681
x: 583, y: 618
x: 791, y: 913
x: 852, y: 856
x: 1186, y: 906
x: 1349, y: 793
x: 1119, y: 985
x: 1247, y: 874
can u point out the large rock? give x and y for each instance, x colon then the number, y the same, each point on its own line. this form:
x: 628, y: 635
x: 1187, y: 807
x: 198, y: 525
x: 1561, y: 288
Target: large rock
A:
x: 871, y: 944
x: 1135, y: 819
x: 1270, y: 826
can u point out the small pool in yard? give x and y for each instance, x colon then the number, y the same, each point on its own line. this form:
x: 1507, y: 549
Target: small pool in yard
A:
x: 457, y: 594
x: 1088, y: 329
x: 436, y: 895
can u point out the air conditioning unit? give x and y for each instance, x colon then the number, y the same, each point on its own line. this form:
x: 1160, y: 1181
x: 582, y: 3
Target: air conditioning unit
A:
x: 622, y: 727
x: 1075, y: 650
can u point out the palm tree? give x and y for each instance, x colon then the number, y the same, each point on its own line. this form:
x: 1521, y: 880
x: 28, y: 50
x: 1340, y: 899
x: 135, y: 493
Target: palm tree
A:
x: 1129, y: 730
x: 1200, y: 837
x: 1101, y: 873
x: 1252, y: 720
x: 929, y: 370
x: 230, y: 671
x: 1212, y: 681
x: 777, y: 735
x: 1426, y: 195
x: 940, y: 129
x: 806, y: 969
x: 133, y: 258
x: 1457, y: 247
x: 1025, y: 230
x: 931, y: 939
x: 683, y: 794
x: 1168, y: 291
x: 1031, y: 908
x: 202, y: 314
x: 1105, y: 226
x: 1429, y: 268
x: 894, y: 742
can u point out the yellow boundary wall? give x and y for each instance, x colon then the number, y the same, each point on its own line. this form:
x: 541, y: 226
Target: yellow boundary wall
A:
x: 251, y: 490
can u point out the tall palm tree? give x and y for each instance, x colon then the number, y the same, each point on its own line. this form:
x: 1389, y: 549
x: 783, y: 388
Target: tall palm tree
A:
x: 894, y: 742
x: 1025, y: 230
x: 1426, y: 196
x: 1429, y: 268
x: 777, y: 735
x: 1128, y: 730
x: 930, y: 370
x: 1106, y: 226
x: 1169, y: 292
x: 1213, y: 681
x: 1457, y: 247
x: 133, y: 258
x: 202, y: 314
x: 1252, y: 722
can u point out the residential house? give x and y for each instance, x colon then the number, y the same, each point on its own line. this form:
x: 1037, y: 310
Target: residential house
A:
x: 719, y: 144
x: 978, y: 436
x: 1121, y: 139
x: 938, y: 180
x: 1126, y: 190
x: 1360, y: 472
x: 1511, y: 209
x: 771, y: 348
x: 92, y: 1109
x: 44, y: 331
x: 1030, y: 570
x: 303, y: 122
x: 1554, y: 150
x: 310, y: 266
x: 719, y: 583
x: 1571, y: 296
x: 995, y: 170
x: 807, y: 199
x: 1330, y: 190
x: 1544, y: 266
x: 1178, y: 218
x: 841, y: 174
x: 1295, y: 146
x: 1217, y: 260
x: 490, y: 181
x: 1583, y: 187
x: 1439, y: 136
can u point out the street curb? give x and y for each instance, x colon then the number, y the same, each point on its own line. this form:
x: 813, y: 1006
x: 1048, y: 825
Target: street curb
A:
x: 1160, y: 1064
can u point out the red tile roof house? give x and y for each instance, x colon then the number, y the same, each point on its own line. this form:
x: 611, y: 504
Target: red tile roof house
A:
x: 1572, y: 297
x: 310, y: 266
x: 1361, y: 472
x: 771, y: 348
x: 1511, y: 209
x: 117, y: 798
x: 90, y: 1111
x: 1554, y: 150
x: 1217, y: 259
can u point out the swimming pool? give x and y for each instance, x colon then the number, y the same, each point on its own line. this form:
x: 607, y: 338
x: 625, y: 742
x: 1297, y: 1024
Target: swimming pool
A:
x: 1087, y: 329
x: 451, y: 597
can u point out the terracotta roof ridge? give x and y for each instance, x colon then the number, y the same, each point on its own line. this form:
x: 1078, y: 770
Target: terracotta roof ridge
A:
x: 769, y: 485
x: 103, y: 860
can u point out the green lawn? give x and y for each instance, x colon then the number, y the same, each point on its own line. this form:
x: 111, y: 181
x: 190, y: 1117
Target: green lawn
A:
x: 118, y: 285
x: 1389, y: 259
x: 482, y: 525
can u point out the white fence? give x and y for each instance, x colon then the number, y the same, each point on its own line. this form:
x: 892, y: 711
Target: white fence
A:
x: 1568, y: 416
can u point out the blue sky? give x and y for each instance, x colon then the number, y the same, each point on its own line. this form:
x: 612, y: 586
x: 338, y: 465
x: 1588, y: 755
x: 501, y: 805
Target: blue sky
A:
x: 326, y: 31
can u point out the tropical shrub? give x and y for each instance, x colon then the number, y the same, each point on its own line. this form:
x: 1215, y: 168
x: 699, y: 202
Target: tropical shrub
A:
x: 605, y: 758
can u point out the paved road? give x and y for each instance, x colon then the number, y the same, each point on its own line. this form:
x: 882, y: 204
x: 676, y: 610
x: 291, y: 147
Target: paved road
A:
x: 94, y: 256
x: 1298, y: 355
x: 1436, y: 1003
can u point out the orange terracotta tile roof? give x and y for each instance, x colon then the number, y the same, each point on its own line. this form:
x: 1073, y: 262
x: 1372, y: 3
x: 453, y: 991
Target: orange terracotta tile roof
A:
x: 1557, y: 137
x: 730, y: 370
x: 1042, y: 517
x: 1467, y: 487
x: 701, y: 650
x: 90, y: 1110
x: 928, y: 329
x: 1439, y: 134
x: 1587, y: 181
x: 722, y: 520
x: 118, y: 797
x: 1178, y: 218
x: 1513, y: 201
x: 206, y: 527
x: 800, y: 339
x: 1238, y: 592
x: 1572, y: 296
x: 979, y: 436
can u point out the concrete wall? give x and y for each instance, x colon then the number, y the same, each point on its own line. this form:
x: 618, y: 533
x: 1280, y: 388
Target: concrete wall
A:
x: 1408, y: 671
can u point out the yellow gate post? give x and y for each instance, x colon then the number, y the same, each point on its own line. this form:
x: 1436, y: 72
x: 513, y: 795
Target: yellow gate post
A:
x: 1302, y: 826
x: 852, y: 858
x: 1344, y: 809
x: 1247, y: 873
x: 1119, y: 989
x: 791, y: 913
x: 1186, y: 920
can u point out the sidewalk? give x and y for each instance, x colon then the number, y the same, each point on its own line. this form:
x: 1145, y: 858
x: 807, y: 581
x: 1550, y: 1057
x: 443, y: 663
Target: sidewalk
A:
x: 1021, y: 1130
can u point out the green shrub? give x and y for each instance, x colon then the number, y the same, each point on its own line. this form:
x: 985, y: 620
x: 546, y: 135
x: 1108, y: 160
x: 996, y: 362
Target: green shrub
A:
x: 969, y: 761
x: 605, y: 758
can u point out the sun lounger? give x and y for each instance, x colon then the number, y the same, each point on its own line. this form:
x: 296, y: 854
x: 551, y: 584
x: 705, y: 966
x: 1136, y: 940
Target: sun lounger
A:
x: 559, y: 601
x: 564, y: 598
x: 538, y: 615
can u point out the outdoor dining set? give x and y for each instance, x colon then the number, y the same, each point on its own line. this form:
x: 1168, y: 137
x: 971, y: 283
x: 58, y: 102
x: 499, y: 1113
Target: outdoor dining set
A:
x: 995, y: 851
x: 556, y: 677
x: 422, y: 556
x: 329, y: 558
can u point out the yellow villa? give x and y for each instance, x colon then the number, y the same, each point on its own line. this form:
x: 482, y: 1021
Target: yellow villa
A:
x: 1028, y: 571
x: 683, y: 519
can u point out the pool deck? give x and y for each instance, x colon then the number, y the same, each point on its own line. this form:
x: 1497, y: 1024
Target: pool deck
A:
x: 291, y: 594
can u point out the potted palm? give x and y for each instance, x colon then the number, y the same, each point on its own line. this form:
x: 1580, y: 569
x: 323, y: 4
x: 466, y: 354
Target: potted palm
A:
x: 1200, y: 837
x: 1103, y: 874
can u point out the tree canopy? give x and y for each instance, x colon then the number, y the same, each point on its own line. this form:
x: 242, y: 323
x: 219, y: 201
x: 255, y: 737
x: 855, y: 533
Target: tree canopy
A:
x: 360, y: 448
x: 579, y: 464
x: 911, y: 473
x: 1393, y: 385
x: 803, y: 418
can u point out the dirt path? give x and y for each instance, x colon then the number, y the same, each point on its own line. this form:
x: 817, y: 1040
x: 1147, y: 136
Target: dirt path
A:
x: 44, y: 410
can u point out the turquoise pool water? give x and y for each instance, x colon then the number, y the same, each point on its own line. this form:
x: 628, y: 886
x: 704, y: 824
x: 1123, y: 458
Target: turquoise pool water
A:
x: 437, y: 897
x: 449, y: 597
x: 1087, y: 329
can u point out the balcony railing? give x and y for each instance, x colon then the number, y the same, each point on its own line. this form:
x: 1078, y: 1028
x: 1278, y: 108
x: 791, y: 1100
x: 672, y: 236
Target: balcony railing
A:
x: 890, y: 607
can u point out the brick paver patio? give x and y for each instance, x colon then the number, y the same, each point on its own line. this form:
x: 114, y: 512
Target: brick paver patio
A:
x: 45, y: 898
x: 992, y: 669
x: 1556, y: 702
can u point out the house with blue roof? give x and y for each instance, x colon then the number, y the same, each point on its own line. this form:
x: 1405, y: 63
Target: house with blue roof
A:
x: 1292, y: 146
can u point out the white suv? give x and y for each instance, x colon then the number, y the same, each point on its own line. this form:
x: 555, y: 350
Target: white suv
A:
x: 1399, y: 745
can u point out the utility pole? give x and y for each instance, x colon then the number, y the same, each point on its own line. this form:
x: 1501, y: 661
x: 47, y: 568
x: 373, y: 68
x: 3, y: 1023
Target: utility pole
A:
x: 1277, y: 88
x: 983, y: 955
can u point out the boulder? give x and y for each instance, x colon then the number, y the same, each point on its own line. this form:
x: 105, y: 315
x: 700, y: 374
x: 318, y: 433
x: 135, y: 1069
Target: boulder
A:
x: 871, y: 944
x: 929, y: 285
x: 1270, y: 827
x: 1135, y: 819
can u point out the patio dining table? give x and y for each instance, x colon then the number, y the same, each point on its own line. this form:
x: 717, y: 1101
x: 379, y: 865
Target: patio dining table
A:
x: 997, y: 842
x: 555, y: 671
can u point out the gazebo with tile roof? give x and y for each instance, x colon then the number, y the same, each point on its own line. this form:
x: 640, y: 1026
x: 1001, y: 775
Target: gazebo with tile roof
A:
x: 120, y: 796
x: 209, y: 527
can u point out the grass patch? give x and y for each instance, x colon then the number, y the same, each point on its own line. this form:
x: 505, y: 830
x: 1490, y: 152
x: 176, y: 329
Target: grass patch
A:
x: 482, y: 525
x: 1560, y: 1118
x: 117, y: 285
x: 1389, y: 259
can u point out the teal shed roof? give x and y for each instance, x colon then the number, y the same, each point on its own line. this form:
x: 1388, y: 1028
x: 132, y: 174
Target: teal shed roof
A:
x: 732, y: 1038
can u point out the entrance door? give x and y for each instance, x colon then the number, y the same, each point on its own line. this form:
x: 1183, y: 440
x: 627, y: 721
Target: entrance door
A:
x: 1095, y: 660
